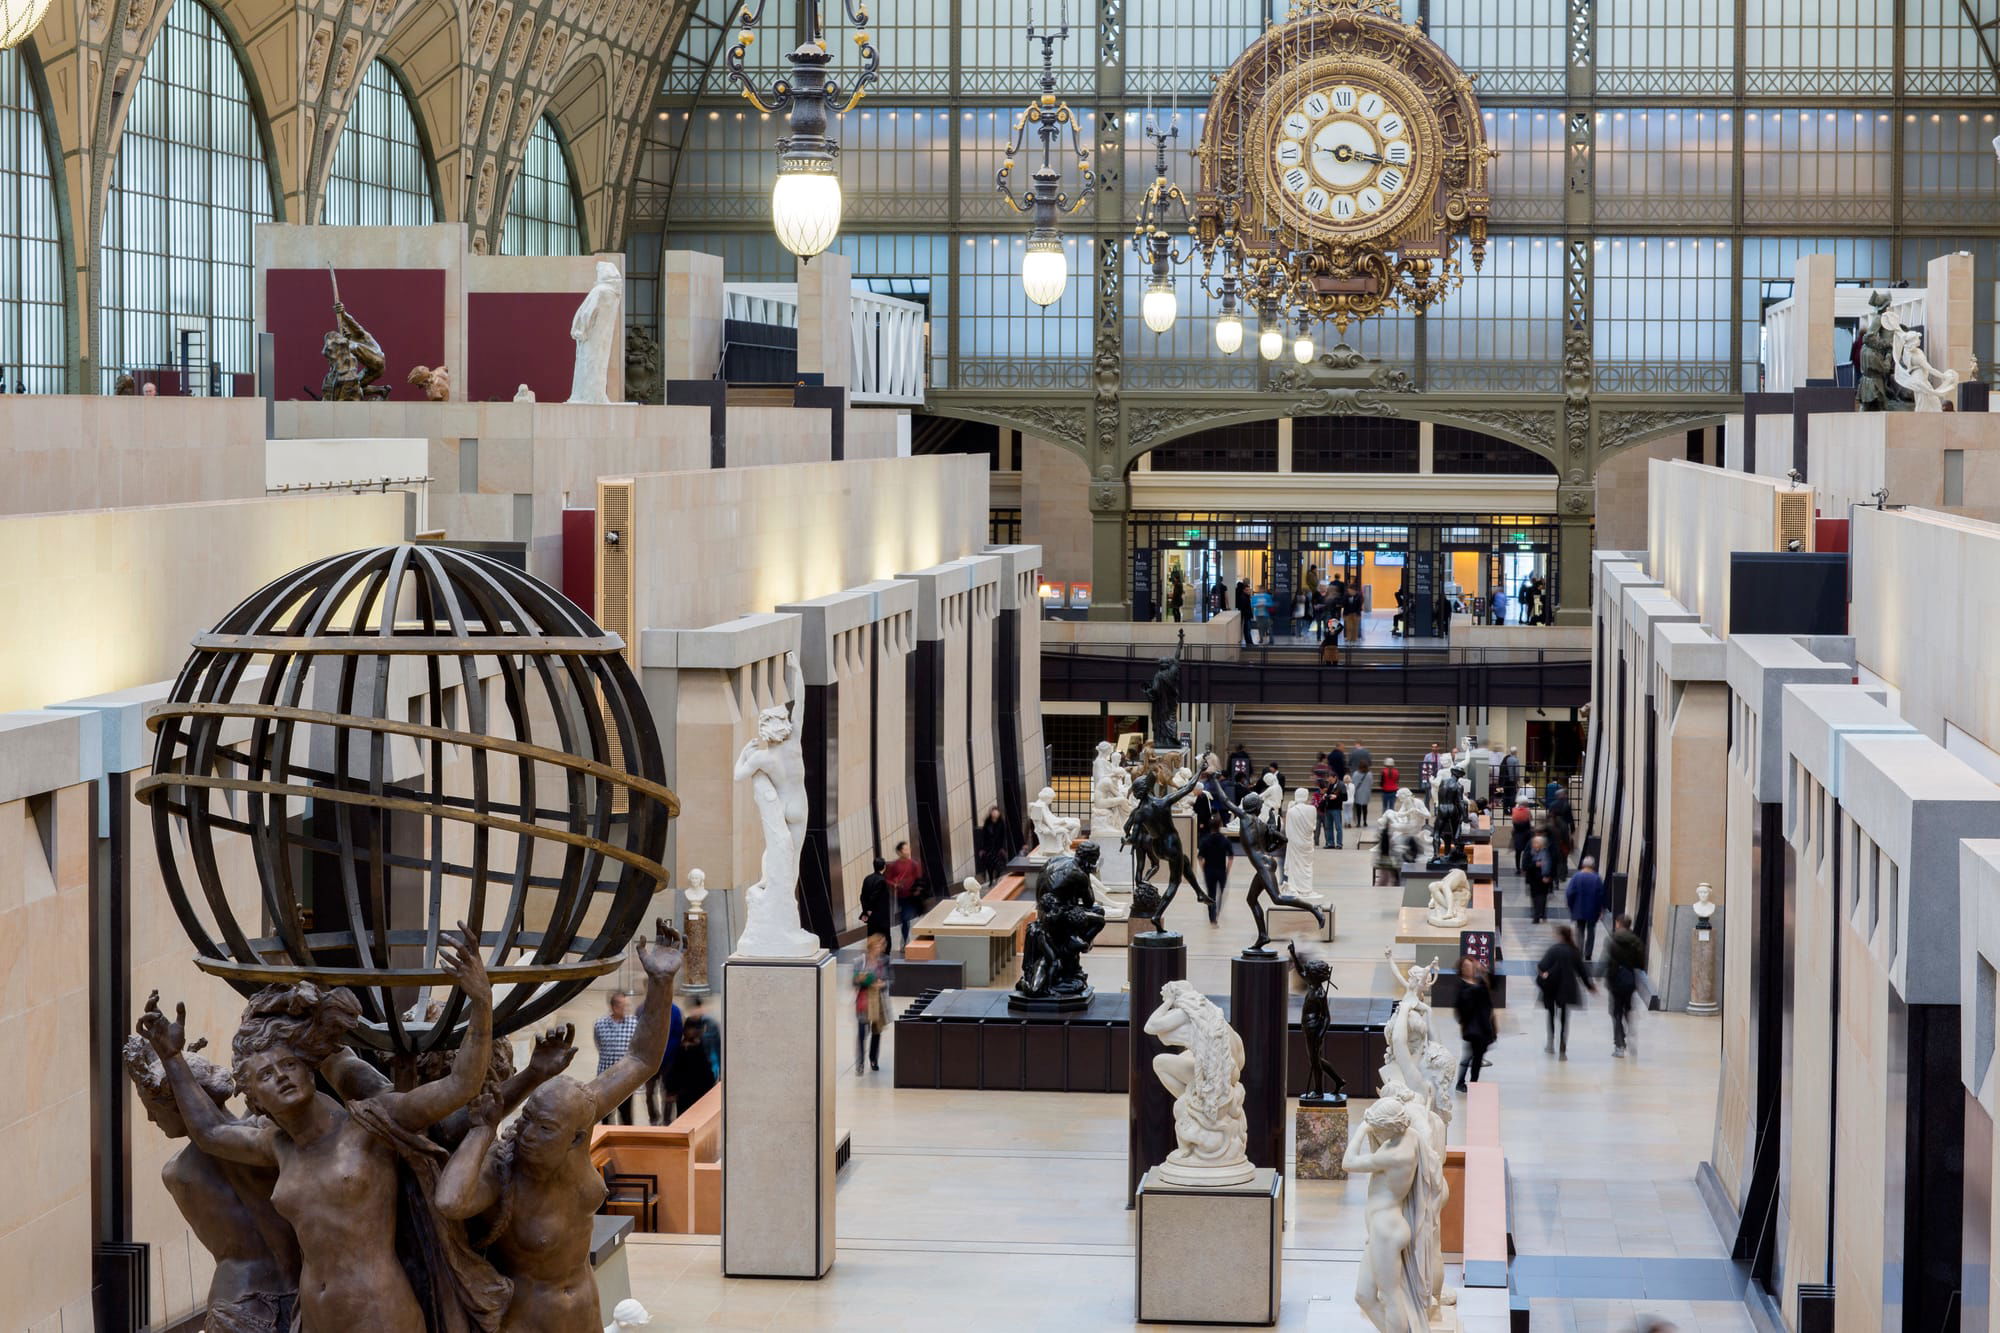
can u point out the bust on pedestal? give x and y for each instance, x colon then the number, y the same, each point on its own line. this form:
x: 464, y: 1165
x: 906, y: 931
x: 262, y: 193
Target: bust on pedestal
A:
x: 694, y: 927
x: 1701, y: 988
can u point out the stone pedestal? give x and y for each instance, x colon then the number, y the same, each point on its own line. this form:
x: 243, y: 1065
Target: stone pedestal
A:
x: 1701, y: 991
x: 1322, y: 1141
x: 1154, y: 959
x: 777, y: 1101
x: 694, y: 967
x: 1260, y: 1011
x: 1210, y: 1255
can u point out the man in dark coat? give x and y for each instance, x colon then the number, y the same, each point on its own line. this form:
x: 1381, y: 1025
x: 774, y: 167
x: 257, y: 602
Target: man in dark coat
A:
x: 878, y: 901
x: 1625, y: 959
x: 1244, y: 611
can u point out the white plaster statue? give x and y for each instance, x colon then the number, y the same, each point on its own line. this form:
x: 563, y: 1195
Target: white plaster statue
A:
x: 1420, y: 1071
x: 1182, y: 776
x: 524, y: 394
x: 628, y: 1313
x: 1053, y: 832
x: 599, y: 321
x: 968, y: 909
x: 1425, y: 1206
x: 1300, y: 822
x: 1914, y: 370
x: 1704, y: 907
x: 1115, y: 909
x: 1111, y: 800
x: 1409, y: 1025
x: 1451, y: 901
x: 774, y: 764
x: 1205, y: 1077
x: 1274, y: 800
x: 1410, y: 825
x: 696, y: 891
x: 1391, y: 1288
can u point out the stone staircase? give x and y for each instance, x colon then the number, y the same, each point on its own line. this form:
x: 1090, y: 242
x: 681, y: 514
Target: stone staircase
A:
x: 1295, y: 736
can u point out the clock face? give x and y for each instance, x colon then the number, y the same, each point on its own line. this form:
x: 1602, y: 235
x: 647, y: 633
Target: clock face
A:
x: 1345, y: 155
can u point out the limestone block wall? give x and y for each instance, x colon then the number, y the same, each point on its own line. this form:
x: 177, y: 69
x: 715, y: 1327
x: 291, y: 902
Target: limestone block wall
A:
x: 1055, y: 509
x: 45, y: 1122
x: 1621, y: 482
x: 1851, y: 455
x: 111, y: 597
x: 761, y: 436
x: 84, y: 451
x: 1692, y: 722
x: 1695, y: 517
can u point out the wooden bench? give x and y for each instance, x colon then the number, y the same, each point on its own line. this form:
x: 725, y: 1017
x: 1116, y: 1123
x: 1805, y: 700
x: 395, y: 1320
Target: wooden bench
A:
x: 685, y: 1158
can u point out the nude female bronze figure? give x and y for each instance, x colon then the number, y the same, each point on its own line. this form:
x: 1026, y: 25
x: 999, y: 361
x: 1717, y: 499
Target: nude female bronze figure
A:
x: 535, y: 1187
x: 338, y: 1182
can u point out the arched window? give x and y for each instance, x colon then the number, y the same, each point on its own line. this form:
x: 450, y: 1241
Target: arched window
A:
x: 541, y: 214
x: 189, y: 190
x: 379, y: 177
x: 33, y: 351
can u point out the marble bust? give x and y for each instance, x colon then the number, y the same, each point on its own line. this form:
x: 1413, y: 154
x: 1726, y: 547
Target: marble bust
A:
x: 1205, y: 1076
x: 523, y: 394
x: 1053, y: 832
x: 696, y: 891
x: 595, y: 329
x: 1704, y: 907
x: 1451, y: 901
x: 968, y: 908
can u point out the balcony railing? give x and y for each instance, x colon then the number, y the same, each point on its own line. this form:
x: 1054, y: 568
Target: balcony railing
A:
x: 887, y: 336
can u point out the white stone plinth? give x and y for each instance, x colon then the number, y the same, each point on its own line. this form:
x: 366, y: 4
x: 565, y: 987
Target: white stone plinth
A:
x: 777, y: 1107
x: 1210, y: 1255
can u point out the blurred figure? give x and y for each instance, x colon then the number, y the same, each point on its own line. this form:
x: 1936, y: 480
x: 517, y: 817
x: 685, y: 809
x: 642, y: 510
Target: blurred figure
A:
x: 1474, y: 1006
x: 871, y: 1005
x: 1562, y: 980
x: 1625, y: 959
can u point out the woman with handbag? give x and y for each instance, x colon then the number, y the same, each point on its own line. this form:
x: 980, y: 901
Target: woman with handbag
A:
x: 871, y: 1008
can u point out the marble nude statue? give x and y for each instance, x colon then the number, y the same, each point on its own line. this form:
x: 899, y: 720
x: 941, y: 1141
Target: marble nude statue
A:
x: 1418, y: 1070
x: 595, y: 330
x: 1087, y: 856
x: 339, y: 1167
x: 1316, y: 973
x: 1205, y: 1075
x: 1301, y: 820
x: 969, y: 907
x: 227, y: 1204
x: 1451, y: 901
x: 1053, y: 832
x: 1110, y: 792
x: 1184, y: 777
x: 1409, y: 822
x: 1155, y: 841
x: 1391, y: 1289
x: 532, y: 1187
x: 1914, y: 371
x: 774, y: 765
x: 1265, y: 845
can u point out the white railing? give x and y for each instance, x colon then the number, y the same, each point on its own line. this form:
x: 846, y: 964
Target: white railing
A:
x: 886, y: 334
x: 1784, y: 341
x: 1780, y: 345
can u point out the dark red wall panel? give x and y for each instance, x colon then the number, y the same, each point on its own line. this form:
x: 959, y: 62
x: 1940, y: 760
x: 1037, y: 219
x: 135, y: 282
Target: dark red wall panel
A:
x: 402, y: 307
x: 579, y: 558
x: 516, y: 338
x: 1829, y: 534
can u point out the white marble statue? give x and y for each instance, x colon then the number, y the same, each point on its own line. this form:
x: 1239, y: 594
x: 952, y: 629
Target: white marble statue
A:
x: 1301, y: 821
x: 1409, y: 1026
x: 1182, y: 776
x: 696, y: 891
x: 1914, y: 370
x: 1419, y: 1071
x: 969, y: 908
x: 1410, y: 826
x: 1274, y: 800
x: 627, y: 1314
x: 774, y: 765
x: 1115, y: 909
x: 599, y: 322
x: 1391, y: 1288
x: 1451, y: 901
x: 523, y: 394
x: 1111, y: 800
x: 1704, y: 907
x: 1206, y: 1078
x: 1053, y: 832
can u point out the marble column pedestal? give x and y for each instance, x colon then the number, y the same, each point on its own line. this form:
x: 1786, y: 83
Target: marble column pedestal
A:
x: 1322, y: 1141
x: 777, y: 1104
x: 1701, y: 989
x: 1210, y: 1254
x: 694, y: 967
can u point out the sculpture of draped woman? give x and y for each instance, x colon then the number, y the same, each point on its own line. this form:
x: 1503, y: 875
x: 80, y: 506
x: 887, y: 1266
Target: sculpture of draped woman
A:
x: 1390, y: 1290
x: 596, y: 327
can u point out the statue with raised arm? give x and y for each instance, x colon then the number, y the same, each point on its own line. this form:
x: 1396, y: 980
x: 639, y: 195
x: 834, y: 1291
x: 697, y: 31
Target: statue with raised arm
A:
x: 1264, y: 845
x: 1206, y: 1078
x: 1914, y: 371
x: 595, y: 329
x: 532, y: 1187
x: 1314, y: 1020
x: 339, y: 1167
x: 1154, y: 840
x: 774, y: 765
x: 354, y: 360
x: 1164, y: 693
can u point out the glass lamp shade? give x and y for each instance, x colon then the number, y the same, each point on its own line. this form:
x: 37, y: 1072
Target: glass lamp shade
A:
x: 1270, y: 342
x: 1044, y: 272
x: 1302, y: 348
x: 1229, y: 334
x: 1159, y: 305
x: 18, y: 18
x: 805, y: 209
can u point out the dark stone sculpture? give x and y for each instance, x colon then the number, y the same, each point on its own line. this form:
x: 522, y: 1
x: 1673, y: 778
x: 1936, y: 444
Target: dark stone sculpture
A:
x: 353, y: 360
x: 1067, y: 919
x: 1264, y: 843
x: 1317, y: 974
x: 1448, y: 820
x: 1164, y: 692
x: 1153, y: 838
x: 643, y: 381
x: 1876, y: 387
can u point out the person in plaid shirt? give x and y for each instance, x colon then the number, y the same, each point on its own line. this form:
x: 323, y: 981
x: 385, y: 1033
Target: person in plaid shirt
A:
x: 614, y: 1034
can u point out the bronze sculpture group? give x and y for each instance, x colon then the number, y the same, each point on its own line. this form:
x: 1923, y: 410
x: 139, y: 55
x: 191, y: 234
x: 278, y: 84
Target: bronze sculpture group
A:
x: 1151, y: 834
x: 340, y: 1201
x: 1067, y: 919
x: 1448, y: 820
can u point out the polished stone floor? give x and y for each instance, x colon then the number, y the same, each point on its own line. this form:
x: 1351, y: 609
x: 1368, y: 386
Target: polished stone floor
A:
x: 972, y: 1211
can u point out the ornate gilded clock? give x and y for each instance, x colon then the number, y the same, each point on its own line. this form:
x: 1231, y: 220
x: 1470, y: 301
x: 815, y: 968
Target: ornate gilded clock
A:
x: 1342, y: 161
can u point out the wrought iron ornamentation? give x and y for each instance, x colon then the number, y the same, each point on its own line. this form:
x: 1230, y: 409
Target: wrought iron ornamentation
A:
x: 1045, y: 269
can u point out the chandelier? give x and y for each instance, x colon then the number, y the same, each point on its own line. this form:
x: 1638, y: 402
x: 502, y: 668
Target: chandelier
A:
x: 1045, y: 268
x: 805, y: 202
x: 1163, y: 210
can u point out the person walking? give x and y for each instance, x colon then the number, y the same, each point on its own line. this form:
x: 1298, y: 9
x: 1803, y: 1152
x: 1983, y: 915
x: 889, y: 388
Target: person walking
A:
x: 1322, y: 770
x: 1392, y: 782
x: 1585, y: 896
x: 1474, y: 1006
x: 613, y: 1034
x: 1215, y: 853
x: 1540, y: 873
x: 871, y: 1007
x: 991, y: 851
x: 1245, y: 611
x: 694, y: 1070
x: 1332, y: 805
x: 1336, y: 762
x: 1524, y: 833
x: 1507, y: 779
x: 903, y: 876
x: 1359, y: 761
x: 660, y: 1087
x: 1562, y: 979
x: 1427, y: 768
x: 878, y: 902
x: 1625, y: 959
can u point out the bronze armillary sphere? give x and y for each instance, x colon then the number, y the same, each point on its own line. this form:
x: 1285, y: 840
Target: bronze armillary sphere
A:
x: 384, y: 743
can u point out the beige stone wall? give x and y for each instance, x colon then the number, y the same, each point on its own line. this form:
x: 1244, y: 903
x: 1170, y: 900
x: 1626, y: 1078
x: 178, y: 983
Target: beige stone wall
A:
x: 1736, y: 1087
x: 1853, y: 454
x: 1804, y: 1176
x: 1695, y: 517
x: 1622, y: 492
x: 63, y: 452
x: 112, y: 597
x: 983, y: 605
x: 1861, y: 1137
x: 875, y: 432
x: 1055, y: 509
x: 45, y: 1234
x: 1694, y: 740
